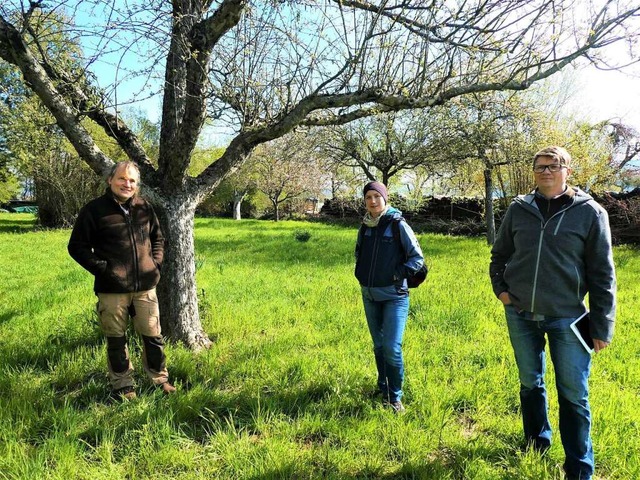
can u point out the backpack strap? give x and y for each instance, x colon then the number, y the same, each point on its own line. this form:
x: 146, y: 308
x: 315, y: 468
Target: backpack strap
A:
x: 361, y: 230
x: 395, y: 229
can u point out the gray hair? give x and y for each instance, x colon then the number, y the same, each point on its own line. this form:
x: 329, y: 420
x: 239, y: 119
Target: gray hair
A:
x: 125, y: 164
x: 559, y: 154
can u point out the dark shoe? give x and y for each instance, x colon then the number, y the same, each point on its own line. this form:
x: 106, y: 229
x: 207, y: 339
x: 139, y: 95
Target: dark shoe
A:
x: 542, y: 449
x: 576, y: 476
x: 167, y: 388
x: 125, y: 393
x: 396, y: 406
x: 375, y: 393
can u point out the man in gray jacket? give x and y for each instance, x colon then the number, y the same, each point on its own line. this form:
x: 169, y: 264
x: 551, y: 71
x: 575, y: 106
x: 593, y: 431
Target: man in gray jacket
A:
x: 554, y: 247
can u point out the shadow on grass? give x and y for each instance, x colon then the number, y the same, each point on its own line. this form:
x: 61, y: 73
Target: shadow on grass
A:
x: 259, y: 242
x: 42, y: 356
x: 202, y: 411
x: 273, y: 248
x: 63, y: 335
x: 445, y: 463
x: 17, y: 225
x: 6, y: 316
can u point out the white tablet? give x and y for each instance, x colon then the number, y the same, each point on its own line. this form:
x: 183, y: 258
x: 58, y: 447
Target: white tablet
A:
x: 581, y: 328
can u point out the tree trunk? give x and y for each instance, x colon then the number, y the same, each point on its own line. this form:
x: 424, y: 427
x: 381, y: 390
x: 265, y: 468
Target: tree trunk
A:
x: 177, y: 292
x: 238, y: 197
x: 488, y: 206
x: 237, y: 203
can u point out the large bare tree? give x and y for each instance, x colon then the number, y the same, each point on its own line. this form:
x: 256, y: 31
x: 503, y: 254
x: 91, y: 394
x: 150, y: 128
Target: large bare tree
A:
x: 384, y: 146
x: 481, y: 128
x: 265, y: 68
x: 287, y: 169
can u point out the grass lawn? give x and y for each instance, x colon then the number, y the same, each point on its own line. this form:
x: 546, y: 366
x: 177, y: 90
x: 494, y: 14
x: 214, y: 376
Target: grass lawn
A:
x: 285, y: 390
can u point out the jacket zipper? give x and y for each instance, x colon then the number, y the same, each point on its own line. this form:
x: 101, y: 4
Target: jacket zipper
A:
x: 543, y: 225
x: 374, y: 255
x: 535, y: 275
x: 132, y: 238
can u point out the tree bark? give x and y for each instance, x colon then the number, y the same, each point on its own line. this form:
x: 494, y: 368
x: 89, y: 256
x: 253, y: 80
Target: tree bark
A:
x: 177, y: 292
x: 238, y: 197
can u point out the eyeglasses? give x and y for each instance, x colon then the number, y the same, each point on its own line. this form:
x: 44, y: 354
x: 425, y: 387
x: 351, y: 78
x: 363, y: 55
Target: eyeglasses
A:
x: 554, y: 167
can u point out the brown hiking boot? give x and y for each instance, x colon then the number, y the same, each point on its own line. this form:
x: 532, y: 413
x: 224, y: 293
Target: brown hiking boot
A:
x: 167, y: 388
x: 126, y: 393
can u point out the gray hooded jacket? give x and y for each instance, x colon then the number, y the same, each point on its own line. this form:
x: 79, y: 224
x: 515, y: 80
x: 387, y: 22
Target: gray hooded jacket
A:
x: 549, y: 267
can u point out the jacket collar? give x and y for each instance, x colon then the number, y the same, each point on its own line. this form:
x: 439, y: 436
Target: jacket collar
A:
x: 109, y: 194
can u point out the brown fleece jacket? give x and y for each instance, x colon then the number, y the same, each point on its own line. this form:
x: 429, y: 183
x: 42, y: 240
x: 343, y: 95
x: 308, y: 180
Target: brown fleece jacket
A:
x: 122, y: 247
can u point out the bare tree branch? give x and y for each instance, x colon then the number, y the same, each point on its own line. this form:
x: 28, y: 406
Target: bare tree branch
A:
x: 14, y: 50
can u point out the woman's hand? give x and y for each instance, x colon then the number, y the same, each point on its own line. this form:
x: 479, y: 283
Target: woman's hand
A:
x: 504, y: 298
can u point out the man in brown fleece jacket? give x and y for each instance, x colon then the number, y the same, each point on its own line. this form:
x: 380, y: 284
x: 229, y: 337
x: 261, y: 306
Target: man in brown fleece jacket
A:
x: 117, y: 238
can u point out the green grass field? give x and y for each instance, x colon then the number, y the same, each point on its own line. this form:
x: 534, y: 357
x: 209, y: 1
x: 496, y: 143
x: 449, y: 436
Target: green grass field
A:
x: 284, y: 391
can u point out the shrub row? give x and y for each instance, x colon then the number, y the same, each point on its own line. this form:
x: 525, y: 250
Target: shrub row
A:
x: 464, y: 216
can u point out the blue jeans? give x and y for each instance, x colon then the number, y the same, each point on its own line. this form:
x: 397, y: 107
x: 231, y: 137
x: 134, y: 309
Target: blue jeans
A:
x: 386, y: 320
x: 571, y: 363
